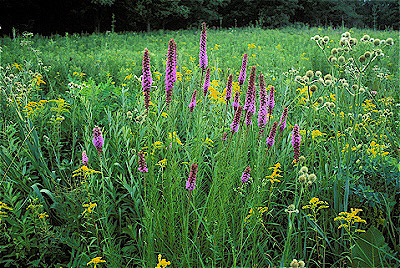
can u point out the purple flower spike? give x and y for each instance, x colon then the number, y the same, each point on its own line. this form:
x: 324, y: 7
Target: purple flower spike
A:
x: 262, y: 112
x: 170, y: 71
x: 283, y: 119
x: 142, y: 163
x: 206, y: 82
x: 98, y: 140
x: 146, y: 78
x: 272, y: 134
x: 236, y: 100
x: 271, y: 100
x: 249, y: 104
x: 242, y: 75
x: 296, y: 139
x: 236, y: 119
x: 191, y: 182
x: 85, y: 159
x: 203, y: 48
x: 246, y: 174
x: 228, y: 95
x: 192, y: 104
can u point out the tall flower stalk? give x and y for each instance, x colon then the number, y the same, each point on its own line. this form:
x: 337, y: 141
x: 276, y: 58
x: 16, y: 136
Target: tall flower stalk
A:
x: 98, y: 140
x: 272, y: 134
x: 242, y: 74
x: 262, y: 112
x: 282, y: 122
x: 236, y: 119
x: 142, y: 163
x: 146, y: 78
x: 228, y: 94
x: 191, y: 181
x: 203, y: 48
x: 246, y: 175
x: 206, y: 84
x: 296, y: 139
x: 249, y: 105
x: 170, y: 71
x: 236, y: 100
x: 192, y: 103
x: 85, y: 159
x: 271, y: 100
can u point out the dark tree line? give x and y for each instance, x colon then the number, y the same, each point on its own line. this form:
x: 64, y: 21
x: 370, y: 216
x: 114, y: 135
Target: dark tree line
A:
x: 140, y: 15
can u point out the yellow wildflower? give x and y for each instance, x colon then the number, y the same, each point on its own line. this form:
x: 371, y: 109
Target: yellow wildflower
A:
x: 162, y: 263
x: 17, y: 66
x: 162, y: 163
x: 84, y: 171
x: 43, y: 215
x: 88, y: 207
x: 164, y: 114
x: 174, y: 137
x: 350, y: 218
x: 96, y: 261
x: 273, y: 177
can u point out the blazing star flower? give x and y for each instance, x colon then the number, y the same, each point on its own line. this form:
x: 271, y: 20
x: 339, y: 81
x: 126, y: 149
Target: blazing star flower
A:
x: 262, y: 112
x: 142, y: 163
x: 192, y: 104
x: 146, y: 78
x: 249, y: 105
x: 242, y: 75
x: 282, y: 122
x: 271, y: 100
x: 206, y: 82
x: 271, y: 137
x: 170, y: 71
x: 228, y: 95
x: 224, y: 136
x: 296, y: 139
x: 236, y: 119
x: 236, y: 100
x: 191, y: 182
x: 203, y: 48
x: 246, y: 174
x: 85, y: 159
x: 98, y: 140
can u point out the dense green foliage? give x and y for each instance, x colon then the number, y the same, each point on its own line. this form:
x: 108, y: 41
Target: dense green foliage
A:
x: 139, y: 15
x: 56, y: 212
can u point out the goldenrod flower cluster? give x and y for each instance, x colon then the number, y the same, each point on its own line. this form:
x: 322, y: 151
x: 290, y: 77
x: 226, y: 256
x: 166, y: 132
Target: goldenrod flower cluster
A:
x: 3, y: 214
x: 258, y: 212
x: 162, y: 263
x: 350, y: 218
x: 96, y: 261
x: 315, y: 205
x: 273, y: 177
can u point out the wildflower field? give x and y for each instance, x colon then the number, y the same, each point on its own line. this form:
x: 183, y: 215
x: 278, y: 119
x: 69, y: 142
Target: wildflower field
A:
x: 200, y: 148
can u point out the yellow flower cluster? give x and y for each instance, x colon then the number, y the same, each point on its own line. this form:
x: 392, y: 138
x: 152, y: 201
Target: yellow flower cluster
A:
x: 175, y: 138
x: 256, y: 213
x: 84, y: 171
x: 376, y: 149
x: 162, y: 263
x: 350, y: 218
x: 3, y: 214
x: 89, y: 207
x: 315, y: 205
x: 37, y: 79
x: 162, y: 163
x: 34, y: 106
x: 273, y: 177
x: 96, y: 261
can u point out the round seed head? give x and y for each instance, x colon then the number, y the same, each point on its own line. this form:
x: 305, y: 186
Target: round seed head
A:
x: 303, y: 170
x: 328, y: 82
x: 343, y: 42
x: 334, y: 51
x: 328, y: 77
x: 313, y: 88
x: 321, y: 80
x: 346, y: 34
x: 389, y: 41
x: 341, y: 59
x: 365, y: 37
x: 383, y: 42
x: 326, y: 38
x: 362, y: 90
x: 302, y: 159
x: 361, y: 58
x: 354, y: 87
x: 346, y: 49
x: 332, y: 58
x: 302, y: 264
x: 353, y: 41
x: 377, y: 42
x: 306, y: 78
x: 367, y: 54
x: 317, y: 37
x: 345, y: 85
x: 309, y: 73
x: 318, y: 73
x: 312, y: 177
x: 320, y: 100
x: 298, y: 78
x: 302, y: 178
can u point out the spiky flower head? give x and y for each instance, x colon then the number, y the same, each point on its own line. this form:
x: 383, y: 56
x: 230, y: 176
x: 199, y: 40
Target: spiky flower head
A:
x: 296, y: 139
x: 262, y: 112
x: 98, y: 140
x: 246, y: 175
x: 242, y: 75
x: 228, y: 95
x: 191, y: 181
x: 272, y: 134
x: 142, y: 163
x: 236, y: 100
x: 206, y: 82
x: 282, y: 121
x: 236, y: 119
x: 192, y: 104
x: 85, y: 159
x: 170, y: 70
x: 271, y: 100
x: 249, y: 104
x: 146, y: 78
x: 203, y: 48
